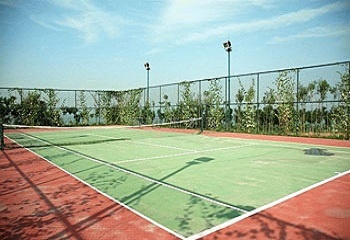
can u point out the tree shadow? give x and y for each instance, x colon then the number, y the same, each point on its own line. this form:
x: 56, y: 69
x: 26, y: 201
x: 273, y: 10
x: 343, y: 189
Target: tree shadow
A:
x: 196, y: 208
x: 31, y: 221
x: 210, y: 214
x: 136, y: 196
x: 264, y: 225
x: 39, y: 211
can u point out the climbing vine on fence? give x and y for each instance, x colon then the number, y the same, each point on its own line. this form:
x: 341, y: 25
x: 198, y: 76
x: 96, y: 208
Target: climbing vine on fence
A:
x: 293, y: 104
x: 249, y: 115
x: 341, y: 112
x: 285, y: 99
x: 213, y: 111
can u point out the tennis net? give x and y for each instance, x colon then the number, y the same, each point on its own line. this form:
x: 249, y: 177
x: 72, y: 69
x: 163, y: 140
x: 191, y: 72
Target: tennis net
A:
x: 45, y: 136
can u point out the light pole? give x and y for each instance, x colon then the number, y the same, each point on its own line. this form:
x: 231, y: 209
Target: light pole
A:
x: 228, y: 49
x: 147, y: 66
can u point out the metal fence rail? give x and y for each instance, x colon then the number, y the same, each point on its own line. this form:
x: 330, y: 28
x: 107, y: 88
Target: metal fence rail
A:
x: 255, y: 105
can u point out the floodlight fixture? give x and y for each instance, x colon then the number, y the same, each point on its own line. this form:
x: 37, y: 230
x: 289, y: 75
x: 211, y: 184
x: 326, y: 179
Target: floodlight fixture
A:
x: 147, y: 66
x: 227, y: 46
x: 228, y: 49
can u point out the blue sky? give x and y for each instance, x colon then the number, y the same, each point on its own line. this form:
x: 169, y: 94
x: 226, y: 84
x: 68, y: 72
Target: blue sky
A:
x: 103, y: 44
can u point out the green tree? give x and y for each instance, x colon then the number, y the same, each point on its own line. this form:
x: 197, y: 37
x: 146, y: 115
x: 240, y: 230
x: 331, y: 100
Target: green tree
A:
x: 84, y: 112
x: 121, y: 107
x: 323, y: 88
x: 311, y: 98
x: 167, y: 108
x: 147, y: 115
x: 269, y: 101
x: 239, y: 101
x: 32, y: 109
x: 249, y: 115
x: 285, y: 99
x: 189, y: 106
x: 53, y: 112
x: 96, y: 96
x: 109, y: 108
x: 71, y: 110
x: 127, y: 107
x: 214, y: 113
x: 341, y: 113
x: 303, y: 98
x: 7, y: 108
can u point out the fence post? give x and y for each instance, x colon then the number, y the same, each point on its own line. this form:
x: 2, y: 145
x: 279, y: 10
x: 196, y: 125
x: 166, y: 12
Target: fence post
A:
x: 297, y: 107
x: 99, y: 107
x: 160, y: 104
x: 258, y: 101
x: 200, y: 98
x: 2, y: 144
x: 76, y: 106
x: 227, y: 105
x: 348, y: 105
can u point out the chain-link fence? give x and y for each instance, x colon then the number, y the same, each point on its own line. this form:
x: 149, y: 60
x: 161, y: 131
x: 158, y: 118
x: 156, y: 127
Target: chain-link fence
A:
x: 311, y: 100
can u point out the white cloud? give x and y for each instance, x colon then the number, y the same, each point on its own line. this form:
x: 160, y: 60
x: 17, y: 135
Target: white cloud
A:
x: 181, y: 16
x: 37, y: 19
x: 154, y: 51
x: 317, y: 32
x: 83, y: 17
x: 189, y: 12
x: 196, y: 20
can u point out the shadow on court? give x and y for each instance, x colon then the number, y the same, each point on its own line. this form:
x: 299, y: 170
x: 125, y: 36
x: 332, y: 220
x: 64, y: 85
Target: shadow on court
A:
x: 195, y: 209
x: 306, y: 216
x: 113, y: 181
x: 266, y: 226
x: 38, y: 201
x: 17, y: 230
x: 136, y: 196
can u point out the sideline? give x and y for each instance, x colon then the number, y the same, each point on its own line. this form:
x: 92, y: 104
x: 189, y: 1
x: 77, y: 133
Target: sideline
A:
x: 265, y: 207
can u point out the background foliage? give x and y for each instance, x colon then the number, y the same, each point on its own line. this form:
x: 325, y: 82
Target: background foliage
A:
x: 286, y: 106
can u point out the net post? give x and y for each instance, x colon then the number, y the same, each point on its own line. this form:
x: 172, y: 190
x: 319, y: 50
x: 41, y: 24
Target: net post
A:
x: 2, y: 143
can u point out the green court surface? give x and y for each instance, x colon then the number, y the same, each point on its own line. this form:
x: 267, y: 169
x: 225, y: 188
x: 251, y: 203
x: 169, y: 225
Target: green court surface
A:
x: 185, y: 182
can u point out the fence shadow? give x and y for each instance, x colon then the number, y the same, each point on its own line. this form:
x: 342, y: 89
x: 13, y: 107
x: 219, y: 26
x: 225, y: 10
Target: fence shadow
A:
x: 42, y: 211
x: 266, y: 226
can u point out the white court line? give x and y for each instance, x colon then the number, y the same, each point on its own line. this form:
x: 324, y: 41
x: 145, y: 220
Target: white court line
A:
x: 188, y: 151
x: 305, y: 147
x: 291, y: 145
x: 114, y: 166
x: 281, y: 143
x: 206, y: 232
x: 143, y: 143
x: 164, y: 146
x: 182, y: 154
x: 262, y: 208
x: 104, y: 194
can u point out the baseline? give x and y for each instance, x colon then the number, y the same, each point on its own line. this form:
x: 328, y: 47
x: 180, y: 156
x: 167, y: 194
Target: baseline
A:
x: 265, y: 207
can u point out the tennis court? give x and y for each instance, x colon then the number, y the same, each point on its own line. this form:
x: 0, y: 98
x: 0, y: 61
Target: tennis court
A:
x: 185, y: 183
